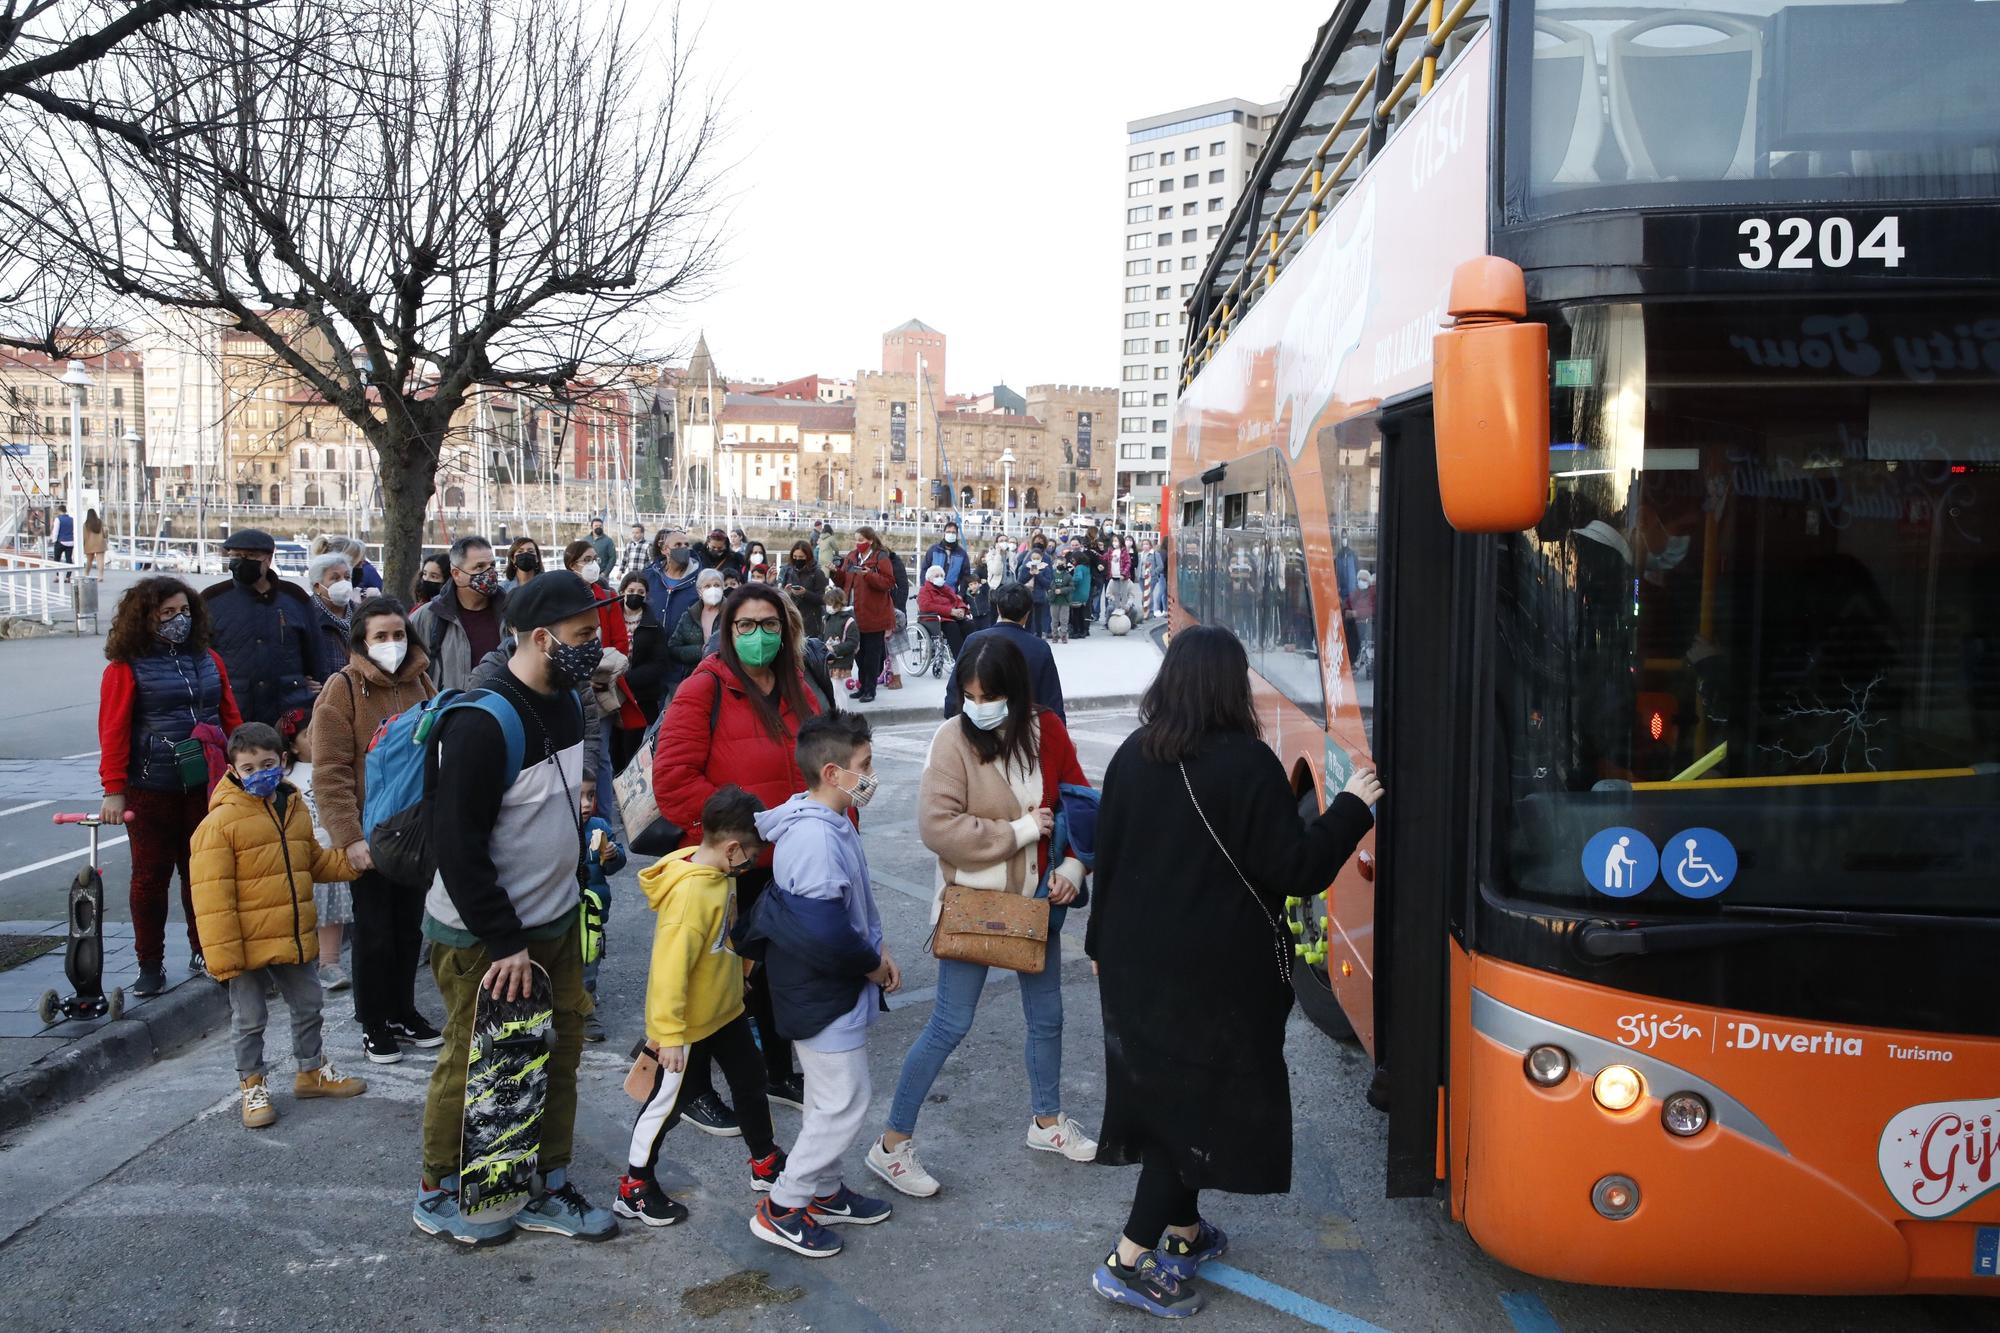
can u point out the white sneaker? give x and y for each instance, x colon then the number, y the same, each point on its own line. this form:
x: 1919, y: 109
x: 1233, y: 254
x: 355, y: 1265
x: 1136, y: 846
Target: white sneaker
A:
x: 1064, y: 1136
x: 900, y: 1167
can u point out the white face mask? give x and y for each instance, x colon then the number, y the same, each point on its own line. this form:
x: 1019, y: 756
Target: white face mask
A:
x: 339, y: 593
x: 389, y: 655
x: 989, y: 716
x: 589, y: 570
x: 712, y: 596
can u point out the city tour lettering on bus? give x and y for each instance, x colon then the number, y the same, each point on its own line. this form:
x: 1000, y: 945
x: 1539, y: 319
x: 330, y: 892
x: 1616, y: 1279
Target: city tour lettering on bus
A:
x: 1843, y: 342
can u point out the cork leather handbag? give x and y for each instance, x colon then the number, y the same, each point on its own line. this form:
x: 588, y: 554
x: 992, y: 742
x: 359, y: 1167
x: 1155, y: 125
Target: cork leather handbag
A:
x: 992, y: 928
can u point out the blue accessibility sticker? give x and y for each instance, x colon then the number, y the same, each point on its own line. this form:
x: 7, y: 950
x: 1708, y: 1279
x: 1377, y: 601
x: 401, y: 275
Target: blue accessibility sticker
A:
x: 1621, y: 862
x: 1700, y: 863
x: 1986, y: 1252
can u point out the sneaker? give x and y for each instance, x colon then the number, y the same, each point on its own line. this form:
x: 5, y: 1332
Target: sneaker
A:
x: 436, y: 1214
x: 561, y: 1210
x: 152, y: 979
x: 334, y: 977
x: 415, y: 1031
x: 257, y: 1109
x: 792, y: 1229
x: 764, y: 1171
x: 707, y: 1114
x: 379, y: 1044
x: 326, y: 1081
x: 592, y: 1029
x: 196, y: 963
x: 844, y: 1207
x: 900, y: 1167
x: 1181, y: 1257
x: 1147, y: 1286
x: 788, y: 1092
x: 1064, y: 1136
x: 644, y: 1201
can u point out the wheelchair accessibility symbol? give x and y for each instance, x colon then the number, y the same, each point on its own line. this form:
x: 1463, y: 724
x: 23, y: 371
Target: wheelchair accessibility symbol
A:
x: 1699, y: 863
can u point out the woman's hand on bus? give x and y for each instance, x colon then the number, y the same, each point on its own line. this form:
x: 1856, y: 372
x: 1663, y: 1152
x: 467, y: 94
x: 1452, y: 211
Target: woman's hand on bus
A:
x: 1365, y: 785
x: 112, y: 811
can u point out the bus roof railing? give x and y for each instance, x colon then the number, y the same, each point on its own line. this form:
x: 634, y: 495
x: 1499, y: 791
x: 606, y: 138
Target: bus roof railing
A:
x: 1275, y: 239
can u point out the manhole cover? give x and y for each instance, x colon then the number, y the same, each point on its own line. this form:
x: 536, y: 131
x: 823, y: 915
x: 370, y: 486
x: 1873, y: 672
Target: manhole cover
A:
x: 18, y: 949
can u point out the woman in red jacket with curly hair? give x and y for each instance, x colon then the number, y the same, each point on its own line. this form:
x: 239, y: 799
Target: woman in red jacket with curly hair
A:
x: 735, y: 721
x: 165, y: 710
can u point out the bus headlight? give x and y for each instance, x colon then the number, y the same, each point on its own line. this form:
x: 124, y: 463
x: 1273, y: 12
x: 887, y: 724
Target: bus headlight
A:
x: 1546, y: 1066
x: 1615, y: 1197
x: 1618, y: 1087
x: 1685, y: 1114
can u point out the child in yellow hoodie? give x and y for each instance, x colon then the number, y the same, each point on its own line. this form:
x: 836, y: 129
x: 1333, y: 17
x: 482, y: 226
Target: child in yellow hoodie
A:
x: 694, y: 994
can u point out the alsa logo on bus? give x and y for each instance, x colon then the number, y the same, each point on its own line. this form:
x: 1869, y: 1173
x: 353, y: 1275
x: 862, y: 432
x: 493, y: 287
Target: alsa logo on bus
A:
x: 1938, y: 1157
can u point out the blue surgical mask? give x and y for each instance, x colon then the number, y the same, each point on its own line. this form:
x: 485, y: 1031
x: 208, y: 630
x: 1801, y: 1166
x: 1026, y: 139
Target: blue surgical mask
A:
x: 989, y: 716
x: 263, y: 782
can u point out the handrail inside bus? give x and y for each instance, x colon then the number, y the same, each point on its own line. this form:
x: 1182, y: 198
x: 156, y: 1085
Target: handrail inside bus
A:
x: 1702, y: 765
x: 1808, y: 779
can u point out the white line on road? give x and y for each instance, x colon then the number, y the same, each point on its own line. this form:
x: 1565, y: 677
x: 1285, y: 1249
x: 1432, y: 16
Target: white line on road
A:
x: 18, y: 871
x: 87, y: 754
x: 32, y: 805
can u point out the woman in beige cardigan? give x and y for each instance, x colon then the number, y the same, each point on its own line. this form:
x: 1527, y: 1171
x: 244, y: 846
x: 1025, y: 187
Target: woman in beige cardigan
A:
x: 985, y: 808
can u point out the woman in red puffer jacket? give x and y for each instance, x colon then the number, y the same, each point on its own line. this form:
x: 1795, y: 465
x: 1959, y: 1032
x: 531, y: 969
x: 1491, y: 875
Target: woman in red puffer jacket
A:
x: 866, y: 575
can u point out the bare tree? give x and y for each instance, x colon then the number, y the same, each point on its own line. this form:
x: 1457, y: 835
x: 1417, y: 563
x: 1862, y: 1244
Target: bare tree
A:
x: 453, y: 193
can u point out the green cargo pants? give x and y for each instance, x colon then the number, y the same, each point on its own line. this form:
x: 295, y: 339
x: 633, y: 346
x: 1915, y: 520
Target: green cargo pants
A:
x: 458, y: 973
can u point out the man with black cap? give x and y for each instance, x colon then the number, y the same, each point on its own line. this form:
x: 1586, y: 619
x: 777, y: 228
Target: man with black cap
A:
x: 506, y: 898
x: 266, y: 630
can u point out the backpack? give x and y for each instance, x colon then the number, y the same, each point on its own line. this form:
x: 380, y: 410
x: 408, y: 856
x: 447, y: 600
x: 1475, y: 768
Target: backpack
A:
x: 1074, y: 834
x: 395, y: 815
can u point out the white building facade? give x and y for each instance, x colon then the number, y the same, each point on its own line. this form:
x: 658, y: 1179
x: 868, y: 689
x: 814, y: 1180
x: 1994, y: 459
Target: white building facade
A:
x: 1183, y: 171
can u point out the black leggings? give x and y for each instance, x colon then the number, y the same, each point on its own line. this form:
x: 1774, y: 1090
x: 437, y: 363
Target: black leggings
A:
x: 757, y: 1000
x: 388, y: 933
x: 874, y: 651
x: 1162, y: 1201
x: 732, y: 1047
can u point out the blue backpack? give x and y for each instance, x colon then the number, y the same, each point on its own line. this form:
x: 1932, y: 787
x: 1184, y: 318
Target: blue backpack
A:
x: 395, y: 815
x: 1074, y: 834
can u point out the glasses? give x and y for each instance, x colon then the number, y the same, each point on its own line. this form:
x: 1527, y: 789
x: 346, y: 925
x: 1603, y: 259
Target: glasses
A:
x: 770, y: 625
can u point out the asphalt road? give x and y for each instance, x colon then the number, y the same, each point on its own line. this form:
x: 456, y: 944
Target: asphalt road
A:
x: 149, y: 1205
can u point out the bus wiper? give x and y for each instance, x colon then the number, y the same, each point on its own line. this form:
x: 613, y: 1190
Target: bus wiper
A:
x: 1602, y: 939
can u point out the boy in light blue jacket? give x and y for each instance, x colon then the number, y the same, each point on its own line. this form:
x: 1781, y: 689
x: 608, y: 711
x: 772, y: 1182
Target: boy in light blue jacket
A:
x: 820, y: 936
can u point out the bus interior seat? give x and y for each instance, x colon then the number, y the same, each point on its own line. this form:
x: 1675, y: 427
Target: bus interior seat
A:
x: 1568, y: 115
x: 1687, y: 111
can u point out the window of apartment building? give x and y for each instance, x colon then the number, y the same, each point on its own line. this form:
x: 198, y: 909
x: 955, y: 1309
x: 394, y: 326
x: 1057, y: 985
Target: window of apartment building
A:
x: 1160, y: 320
x: 1136, y: 293
x: 1163, y: 293
x: 1214, y: 206
x: 1189, y: 262
x: 1186, y: 209
x: 331, y: 463
x: 1160, y: 345
x: 1167, y: 185
x: 1135, y: 346
x: 1139, y: 241
x: 118, y: 398
x: 1131, y: 373
x: 49, y: 425
x: 1138, y: 161
x: 1192, y: 153
x: 1166, y: 211
x: 1159, y: 400
x: 1138, y: 189
x: 1188, y: 236
x: 1159, y: 372
x: 1131, y: 451
x: 1215, y: 177
x: 1167, y: 158
x: 1133, y: 398
x: 1218, y: 148
x: 1165, y: 238
x: 305, y: 460
x: 1143, y: 213
x: 1159, y: 451
x: 1215, y: 231
x: 1159, y: 425
x: 1138, y: 267
x: 1133, y: 424
x: 1189, y: 182
x: 309, y: 428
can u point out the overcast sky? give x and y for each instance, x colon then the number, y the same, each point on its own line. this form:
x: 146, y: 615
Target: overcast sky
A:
x: 958, y: 163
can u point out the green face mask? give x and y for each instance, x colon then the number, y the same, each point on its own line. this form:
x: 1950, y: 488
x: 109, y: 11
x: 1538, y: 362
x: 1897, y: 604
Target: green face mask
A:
x: 759, y: 647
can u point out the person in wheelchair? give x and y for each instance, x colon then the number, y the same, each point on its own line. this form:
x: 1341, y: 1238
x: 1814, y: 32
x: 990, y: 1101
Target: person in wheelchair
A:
x: 940, y: 608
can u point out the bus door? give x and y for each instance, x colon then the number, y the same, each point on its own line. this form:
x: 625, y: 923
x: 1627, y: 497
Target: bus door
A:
x: 1196, y: 502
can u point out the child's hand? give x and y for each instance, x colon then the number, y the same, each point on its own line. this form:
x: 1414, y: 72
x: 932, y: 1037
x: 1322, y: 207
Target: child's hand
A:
x: 674, y: 1059
x: 888, y: 976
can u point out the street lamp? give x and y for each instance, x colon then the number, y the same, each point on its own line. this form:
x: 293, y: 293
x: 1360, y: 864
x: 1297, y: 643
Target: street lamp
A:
x: 132, y: 442
x: 78, y: 380
x: 1006, y: 492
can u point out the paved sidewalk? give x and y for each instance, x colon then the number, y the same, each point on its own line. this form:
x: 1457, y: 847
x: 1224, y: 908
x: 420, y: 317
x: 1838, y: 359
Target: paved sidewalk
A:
x: 1100, y: 670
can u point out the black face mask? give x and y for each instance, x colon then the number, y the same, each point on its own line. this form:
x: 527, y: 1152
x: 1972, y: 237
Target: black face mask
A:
x: 528, y: 561
x: 636, y: 601
x: 245, y: 570
x: 427, y: 589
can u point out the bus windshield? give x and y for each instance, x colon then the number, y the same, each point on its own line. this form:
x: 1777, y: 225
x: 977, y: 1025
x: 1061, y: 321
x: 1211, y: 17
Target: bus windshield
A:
x: 1744, y: 101
x: 1765, y: 604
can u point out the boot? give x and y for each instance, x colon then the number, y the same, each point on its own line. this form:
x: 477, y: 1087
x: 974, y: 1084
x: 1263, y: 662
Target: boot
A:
x: 257, y: 1109
x: 326, y: 1081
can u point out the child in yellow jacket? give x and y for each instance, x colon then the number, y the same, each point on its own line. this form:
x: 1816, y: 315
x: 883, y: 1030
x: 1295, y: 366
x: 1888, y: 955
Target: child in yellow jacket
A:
x: 694, y: 995
x: 254, y: 861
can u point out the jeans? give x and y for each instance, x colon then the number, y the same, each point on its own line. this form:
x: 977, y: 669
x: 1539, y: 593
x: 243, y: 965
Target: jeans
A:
x: 958, y: 989
x: 388, y: 933
x: 1038, y: 623
x: 837, y: 1092
x: 162, y: 827
x: 299, y: 984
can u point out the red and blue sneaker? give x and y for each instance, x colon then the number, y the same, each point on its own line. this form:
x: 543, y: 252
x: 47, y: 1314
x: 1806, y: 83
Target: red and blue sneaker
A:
x: 845, y: 1207
x: 792, y: 1229
x: 764, y: 1171
x: 1181, y: 1257
x: 1145, y: 1286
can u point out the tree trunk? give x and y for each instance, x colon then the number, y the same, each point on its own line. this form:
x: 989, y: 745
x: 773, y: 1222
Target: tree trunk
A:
x: 408, y: 461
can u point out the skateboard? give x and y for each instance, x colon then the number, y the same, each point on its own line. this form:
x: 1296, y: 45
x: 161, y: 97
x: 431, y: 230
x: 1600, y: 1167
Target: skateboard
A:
x: 83, y: 960
x: 506, y: 1086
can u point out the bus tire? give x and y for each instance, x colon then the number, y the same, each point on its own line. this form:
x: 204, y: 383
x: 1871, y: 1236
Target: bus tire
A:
x: 1318, y: 1002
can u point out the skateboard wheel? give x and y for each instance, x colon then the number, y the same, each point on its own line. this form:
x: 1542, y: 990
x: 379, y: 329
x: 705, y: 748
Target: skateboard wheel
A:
x: 48, y: 1006
x: 118, y: 1002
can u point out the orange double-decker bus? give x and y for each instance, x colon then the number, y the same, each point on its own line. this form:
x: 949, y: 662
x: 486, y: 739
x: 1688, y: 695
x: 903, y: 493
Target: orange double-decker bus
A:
x: 1663, y: 588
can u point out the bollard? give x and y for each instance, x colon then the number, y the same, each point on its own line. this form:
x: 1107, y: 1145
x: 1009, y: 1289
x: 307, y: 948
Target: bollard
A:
x: 86, y: 603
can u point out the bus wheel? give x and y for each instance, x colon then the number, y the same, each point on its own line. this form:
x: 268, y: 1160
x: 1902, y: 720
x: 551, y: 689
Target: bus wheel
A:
x: 1305, y: 920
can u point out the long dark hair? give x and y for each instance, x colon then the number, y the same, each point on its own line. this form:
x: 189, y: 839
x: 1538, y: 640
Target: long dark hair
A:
x: 1000, y: 669
x: 135, y: 625
x: 785, y: 666
x: 1201, y: 692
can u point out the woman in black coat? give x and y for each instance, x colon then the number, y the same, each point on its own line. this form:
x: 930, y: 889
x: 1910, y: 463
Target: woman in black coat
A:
x: 801, y: 577
x: 1193, y: 963
x: 647, y: 674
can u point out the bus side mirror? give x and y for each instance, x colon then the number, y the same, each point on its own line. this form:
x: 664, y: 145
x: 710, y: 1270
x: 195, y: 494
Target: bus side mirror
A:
x: 1491, y: 401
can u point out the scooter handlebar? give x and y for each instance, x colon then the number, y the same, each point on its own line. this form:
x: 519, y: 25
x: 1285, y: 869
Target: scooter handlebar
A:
x: 88, y: 821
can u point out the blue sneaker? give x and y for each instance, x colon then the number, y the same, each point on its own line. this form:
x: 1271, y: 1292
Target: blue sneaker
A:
x: 845, y: 1207
x: 792, y: 1229
x: 1182, y: 1257
x: 1145, y: 1286
x: 562, y: 1210
x: 436, y: 1214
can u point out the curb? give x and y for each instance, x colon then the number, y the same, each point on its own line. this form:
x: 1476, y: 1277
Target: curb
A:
x: 110, y: 1052
x: 889, y: 717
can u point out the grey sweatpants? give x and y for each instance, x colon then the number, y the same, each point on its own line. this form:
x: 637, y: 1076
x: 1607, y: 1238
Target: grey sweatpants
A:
x: 299, y: 984
x: 837, y: 1092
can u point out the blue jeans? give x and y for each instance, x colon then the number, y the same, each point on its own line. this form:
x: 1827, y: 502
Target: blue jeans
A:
x: 1038, y: 623
x: 958, y: 988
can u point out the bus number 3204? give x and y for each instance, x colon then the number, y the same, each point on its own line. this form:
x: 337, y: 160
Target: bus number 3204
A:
x: 1793, y: 245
